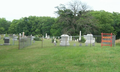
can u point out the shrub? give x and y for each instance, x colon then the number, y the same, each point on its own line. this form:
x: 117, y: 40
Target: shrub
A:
x: 98, y: 39
x: 82, y: 39
x: 37, y: 38
x: 118, y: 44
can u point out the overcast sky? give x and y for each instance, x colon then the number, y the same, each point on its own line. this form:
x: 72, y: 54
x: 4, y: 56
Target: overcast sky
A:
x: 16, y: 9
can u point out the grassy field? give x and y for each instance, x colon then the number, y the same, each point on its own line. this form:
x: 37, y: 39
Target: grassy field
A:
x: 59, y: 59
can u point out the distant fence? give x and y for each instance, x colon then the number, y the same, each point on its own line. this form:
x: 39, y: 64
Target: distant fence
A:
x: 21, y: 42
x: 12, y: 40
x: 24, y: 41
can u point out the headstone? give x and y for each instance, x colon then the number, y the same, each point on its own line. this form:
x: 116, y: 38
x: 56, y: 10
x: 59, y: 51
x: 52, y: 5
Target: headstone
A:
x: 86, y: 44
x: 80, y: 36
x: 89, y: 39
x: 23, y: 34
x: 15, y: 37
x: 55, y: 41
x: 4, y: 35
x: 32, y: 37
x: 6, y: 41
x: 70, y: 38
x: 46, y: 35
x: 80, y: 44
x: 93, y: 44
x: 77, y: 40
x: 20, y: 34
x: 64, y: 40
x: 74, y: 44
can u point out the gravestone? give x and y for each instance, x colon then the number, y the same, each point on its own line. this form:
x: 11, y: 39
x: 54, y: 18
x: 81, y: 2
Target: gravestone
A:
x: 32, y: 37
x: 15, y: 37
x: 23, y: 34
x: 6, y: 41
x: 70, y: 38
x: 89, y: 39
x: 80, y: 44
x: 55, y: 41
x: 3, y: 35
x: 74, y: 44
x: 46, y: 36
x: 80, y: 36
x: 77, y: 40
x: 64, y: 40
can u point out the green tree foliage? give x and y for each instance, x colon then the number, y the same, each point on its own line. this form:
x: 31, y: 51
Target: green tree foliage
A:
x: 13, y: 27
x: 32, y: 25
x: 4, y: 25
x: 73, y: 19
x: 116, y: 24
x: 105, y: 21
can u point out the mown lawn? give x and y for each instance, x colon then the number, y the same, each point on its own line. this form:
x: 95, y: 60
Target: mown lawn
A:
x: 59, y: 59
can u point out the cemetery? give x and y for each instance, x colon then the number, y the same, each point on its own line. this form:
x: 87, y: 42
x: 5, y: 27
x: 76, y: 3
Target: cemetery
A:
x: 77, y: 39
x: 65, y: 50
x: 55, y: 51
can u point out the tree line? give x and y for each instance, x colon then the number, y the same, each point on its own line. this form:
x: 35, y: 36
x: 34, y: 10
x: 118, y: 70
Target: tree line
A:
x: 70, y: 21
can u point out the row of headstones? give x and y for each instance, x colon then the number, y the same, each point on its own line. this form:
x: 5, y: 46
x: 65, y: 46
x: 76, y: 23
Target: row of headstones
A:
x: 32, y: 37
x: 15, y: 37
x: 65, y: 39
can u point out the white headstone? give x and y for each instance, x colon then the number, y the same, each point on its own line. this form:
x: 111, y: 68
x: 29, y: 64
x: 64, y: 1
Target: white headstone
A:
x: 80, y: 36
x: 4, y: 35
x: 15, y: 38
x: 32, y: 38
x: 20, y: 34
x: 13, y: 35
x: 70, y: 38
x: 23, y: 34
x: 89, y: 38
x: 64, y: 40
x: 55, y: 40
x: 46, y: 35
x: 77, y: 40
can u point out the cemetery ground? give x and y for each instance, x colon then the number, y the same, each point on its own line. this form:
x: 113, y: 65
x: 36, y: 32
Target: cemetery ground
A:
x: 34, y: 58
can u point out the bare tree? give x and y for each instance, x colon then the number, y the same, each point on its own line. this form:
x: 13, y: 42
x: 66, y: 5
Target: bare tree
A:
x: 77, y: 6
